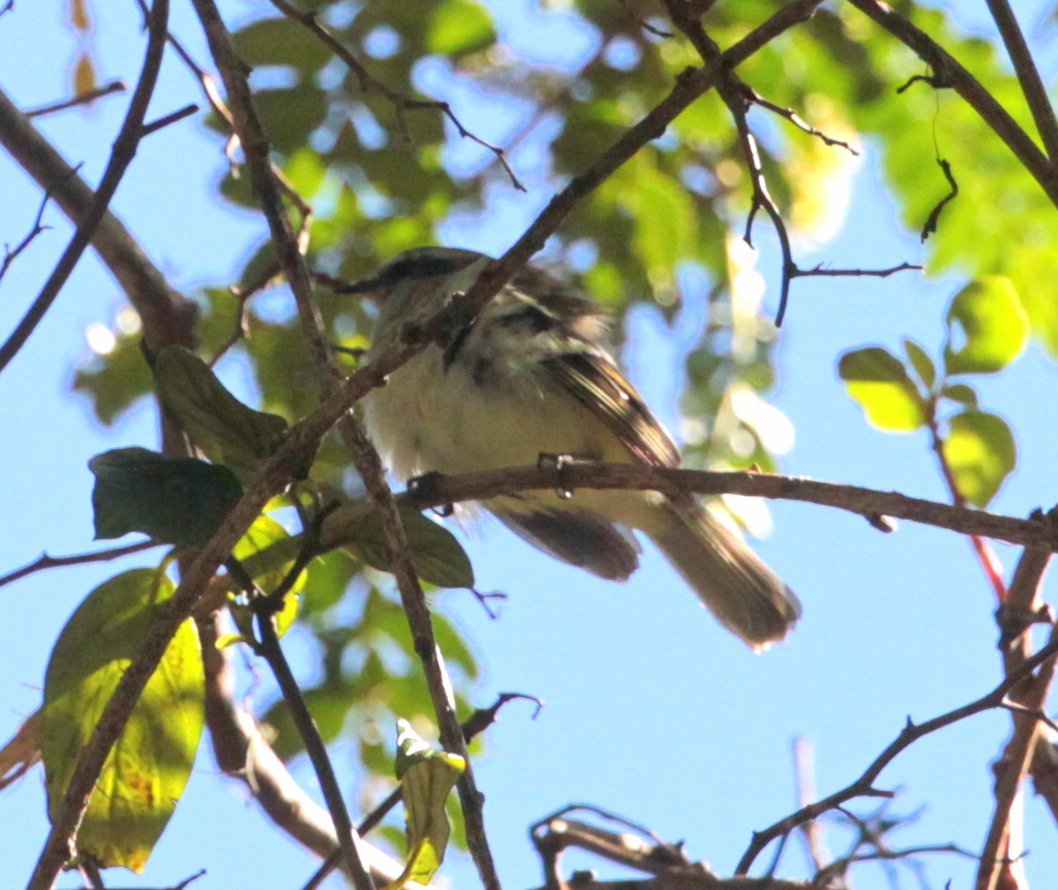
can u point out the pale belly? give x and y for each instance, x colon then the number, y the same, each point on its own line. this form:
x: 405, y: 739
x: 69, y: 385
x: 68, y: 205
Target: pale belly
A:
x: 428, y: 419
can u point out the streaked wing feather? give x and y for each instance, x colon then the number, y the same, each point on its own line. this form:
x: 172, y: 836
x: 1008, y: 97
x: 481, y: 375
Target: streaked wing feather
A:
x: 600, y: 387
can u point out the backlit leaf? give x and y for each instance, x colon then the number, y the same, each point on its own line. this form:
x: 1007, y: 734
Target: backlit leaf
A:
x: 879, y: 381
x: 987, y: 327
x: 148, y: 767
x: 981, y: 452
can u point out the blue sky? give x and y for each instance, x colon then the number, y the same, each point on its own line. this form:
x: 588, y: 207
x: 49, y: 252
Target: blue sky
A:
x: 652, y: 710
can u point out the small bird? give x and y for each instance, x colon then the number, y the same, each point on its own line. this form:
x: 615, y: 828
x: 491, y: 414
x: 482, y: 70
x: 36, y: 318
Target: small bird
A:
x: 529, y: 377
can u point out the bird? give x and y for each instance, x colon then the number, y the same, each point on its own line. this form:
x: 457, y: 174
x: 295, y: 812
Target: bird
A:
x: 530, y: 376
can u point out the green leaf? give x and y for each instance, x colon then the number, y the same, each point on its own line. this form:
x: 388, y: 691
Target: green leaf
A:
x: 148, y: 767
x: 427, y: 776
x: 961, y: 393
x: 230, y: 432
x: 921, y: 362
x: 981, y: 452
x: 457, y: 27
x: 176, y: 500
x: 879, y: 381
x: 253, y: 549
x: 280, y: 41
x: 436, y: 554
x: 988, y: 315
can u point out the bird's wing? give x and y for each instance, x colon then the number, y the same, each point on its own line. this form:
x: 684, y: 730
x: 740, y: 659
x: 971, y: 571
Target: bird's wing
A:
x: 591, y: 378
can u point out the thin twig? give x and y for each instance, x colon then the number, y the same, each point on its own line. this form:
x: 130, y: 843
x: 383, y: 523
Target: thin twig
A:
x: 930, y: 225
x: 168, y: 119
x: 1028, y: 75
x: 53, y: 562
x: 120, y: 157
x: 167, y: 315
x: 371, y: 84
x: 794, y: 118
x: 243, y: 752
x: 911, y: 733
x: 115, y: 86
x: 805, y: 787
x: 269, y: 648
x: 420, y: 624
x: 986, y: 557
x: 36, y: 229
x: 821, y: 272
x: 1016, y: 762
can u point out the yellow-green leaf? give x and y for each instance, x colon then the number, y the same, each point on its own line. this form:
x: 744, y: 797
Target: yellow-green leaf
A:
x: 264, y: 537
x: 427, y: 776
x: 981, y: 452
x: 879, y: 381
x: 148, y: 767
x: 987, y: 327
x: 458, y: 26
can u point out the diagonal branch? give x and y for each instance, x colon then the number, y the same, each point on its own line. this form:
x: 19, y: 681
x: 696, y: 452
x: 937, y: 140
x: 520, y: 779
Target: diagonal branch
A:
x: 1028, y: 75
x: 121, y: 156
x: 167, y: 315
x: 911, y: 733
x: 1017, y: 760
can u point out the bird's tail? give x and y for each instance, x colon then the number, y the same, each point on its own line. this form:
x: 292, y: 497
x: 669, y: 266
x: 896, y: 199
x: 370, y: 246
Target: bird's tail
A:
x: 745, y: 595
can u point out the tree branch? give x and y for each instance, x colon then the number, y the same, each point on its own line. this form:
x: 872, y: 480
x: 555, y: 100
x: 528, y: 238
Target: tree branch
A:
x: 911, y: 733
x: 242, y: 752
x: 948, y: 72
x: 1016, y: 762
x: 439, y: 490
x: 167, y: 315
x: 1028, y: 75
x: 53, y: 562
x: 121, y: 156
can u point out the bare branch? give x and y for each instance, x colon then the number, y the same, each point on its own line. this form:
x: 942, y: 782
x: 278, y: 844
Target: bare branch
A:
x: 115, y: 86
x: 420, y: 624
x: 436, y: 491
x: 1028, y: 75
x: 243, y: 752
x: 821, y: 272
x: 1016, y: 762
x: 37, y: 228
x: 168, y: 119
x: 167, y: 315
x: 911, y: 733
x: 120, y: 157
x: 52, y: 562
